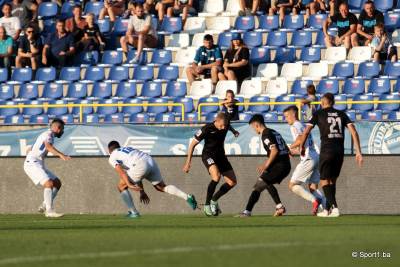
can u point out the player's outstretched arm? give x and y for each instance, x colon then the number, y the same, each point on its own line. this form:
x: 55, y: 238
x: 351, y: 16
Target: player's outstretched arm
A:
x: 55, y: 152
x: 356, y: 141
x: 235, y: 133
x: 272, y: 156
x: 189, y: 157
x: 125, y: 178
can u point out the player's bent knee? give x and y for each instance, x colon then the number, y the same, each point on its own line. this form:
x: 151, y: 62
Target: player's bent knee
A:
x: 260, y: 186
x: 48, y: 184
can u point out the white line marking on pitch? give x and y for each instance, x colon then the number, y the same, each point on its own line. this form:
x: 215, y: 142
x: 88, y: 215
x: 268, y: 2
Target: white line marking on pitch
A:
x: 113, y: 254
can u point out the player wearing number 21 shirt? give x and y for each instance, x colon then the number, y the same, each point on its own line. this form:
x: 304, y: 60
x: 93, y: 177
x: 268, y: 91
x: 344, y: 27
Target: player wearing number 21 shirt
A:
x: 331, y: 123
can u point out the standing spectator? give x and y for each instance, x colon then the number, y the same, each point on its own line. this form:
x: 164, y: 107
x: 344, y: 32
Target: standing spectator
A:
x: 6, y: 49
x: 236, y: 62
x: 76, y: 24
x: 30, y: 47
x: 209, y: 56
x: 368, y: 19
x: 346, y: 23
x: 25, y: 10
x: 113, y: 9
x: 311, y: 97
x: 140, y: 33
x: 182, y: 8
x: 92, y: 39
x: 59, y: 47
x: 382, y: 45
x: 11, y: 24
x: 283, y: 7
x: 230, y: 107
x: 248, y: 8
x: 155, y: 8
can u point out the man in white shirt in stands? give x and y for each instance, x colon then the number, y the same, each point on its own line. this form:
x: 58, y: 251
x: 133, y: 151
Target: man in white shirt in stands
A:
x: 12, y: 24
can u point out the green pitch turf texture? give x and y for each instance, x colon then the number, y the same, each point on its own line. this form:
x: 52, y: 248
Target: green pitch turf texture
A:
x: 190, y: 241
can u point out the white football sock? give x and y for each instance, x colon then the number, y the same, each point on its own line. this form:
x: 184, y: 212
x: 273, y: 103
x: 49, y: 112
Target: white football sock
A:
x: 127, y: 198
x: 173, y: 190
x: 320, y: 195
x: 301, y: 192
x: 48, y: 200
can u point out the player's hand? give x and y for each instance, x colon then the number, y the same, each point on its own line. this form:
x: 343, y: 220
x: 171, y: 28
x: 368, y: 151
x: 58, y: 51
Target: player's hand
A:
x: 186, y: 168
x: 135, y: 187
x: 65, y: 157
x: 144, y: 198
x: 261, y: 169
x: 359, y: 159
x: 236, y: 134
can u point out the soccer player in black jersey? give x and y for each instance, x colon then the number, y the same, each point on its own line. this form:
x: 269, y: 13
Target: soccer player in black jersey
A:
x: 273, y: 170
x: 215, y: 160
x: 331, y: 123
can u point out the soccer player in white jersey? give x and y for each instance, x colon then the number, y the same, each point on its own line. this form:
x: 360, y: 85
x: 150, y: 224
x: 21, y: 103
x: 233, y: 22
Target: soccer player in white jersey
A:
x: 306, y: 172
x: 133, y: 166
x: 34, y: 166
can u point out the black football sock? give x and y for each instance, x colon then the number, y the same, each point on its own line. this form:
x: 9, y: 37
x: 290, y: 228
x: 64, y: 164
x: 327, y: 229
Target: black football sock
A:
x: 222, y: 191
x: 333, y: 189
x: 328, y: 195
x: 210, y: 191
x: 274, y: 193
x: 254, y: 197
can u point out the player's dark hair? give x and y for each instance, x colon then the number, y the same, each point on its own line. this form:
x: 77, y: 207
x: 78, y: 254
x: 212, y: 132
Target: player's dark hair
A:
x: 380, y: 25
x: 208, y: 37
x: 311, y: 89
x: 292, y: 108
x: 369, y: 2
x: 113, y: 145
x: 257, y: 118
x: 58, y: 121
x: 330, y: 97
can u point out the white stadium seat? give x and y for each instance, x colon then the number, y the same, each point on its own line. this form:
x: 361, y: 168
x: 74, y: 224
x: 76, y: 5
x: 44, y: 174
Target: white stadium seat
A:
x: 335, y: 54
x: 185, y: 56
x: 267, y: 71
x: 276, y: 87
x: 251, y: 87
x: 223, y: 86
x: 316, y: 71
x: 195, y: 25
x: 218, y: 24
x: 177, y: 41
x: 212, y: 7
x: 292, y: 71
x: 232, y: 8
x: 360, y: 53
x: 197, y: 40
x: 201, y: 88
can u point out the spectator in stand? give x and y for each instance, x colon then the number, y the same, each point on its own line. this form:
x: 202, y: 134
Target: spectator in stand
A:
x: 25, y: 10
x: 230, y: 107
x: 209, y: 56
x: 283, y: 7
x: 346, y: 23
x: 311, y: 97
x: 30, y: 47
x: 92, y: 39
x: 382, y: 45
x: 248, y: 7
x: 112, y: 9
x: 6, y: 49
x: 236, y: 62
x: 367, y: 20
x: 155, y: 8
x: 10, y: 23
x: 316, y: 6
x: 76, y: 24
x: 59, y: 47
x: 130, y: 11
x: 140, y: 33
x: 182, y: 8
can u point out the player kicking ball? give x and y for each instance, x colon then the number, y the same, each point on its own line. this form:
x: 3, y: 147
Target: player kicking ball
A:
x: 306, y: 173
x: 274, y: 169
x: 133, y: 166
x: 34, y: 166
x: 215, y: 160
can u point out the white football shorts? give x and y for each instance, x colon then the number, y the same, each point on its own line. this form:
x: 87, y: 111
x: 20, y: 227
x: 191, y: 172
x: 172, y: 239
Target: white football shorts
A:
x: 37, y: 172
x: 306, y: 172
x: 145, y: 169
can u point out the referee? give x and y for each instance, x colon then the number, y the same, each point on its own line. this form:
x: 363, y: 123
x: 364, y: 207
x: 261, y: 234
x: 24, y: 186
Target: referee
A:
x: 331, y: 123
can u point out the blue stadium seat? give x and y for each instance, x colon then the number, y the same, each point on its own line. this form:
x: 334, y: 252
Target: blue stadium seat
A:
x: 320, y: 40
x: 245, y: 116
x: 352, y: 115
x: 176, y: 89
x: 328, y: 86
x: 355, y: 5
x: 168, y: 73
x: 245, y: 23
x: 301, y: 38
x: 143, y: 73
x: 47, y: 10
x: 283, y: 98
x: 49, y: 26
x: 271, y: 117
x: 394, y: 115
x: 93, y: 7
x: 120, y: 27
x: 277, y: 38
x: 317, y: 21
x: 85, y: 109
x: 132, y: 109
x: 104, y: 25
x: 165, y: 117
x: 259, y: 108
x: 112, y: 57
x: 354, y: 87
x: 91, y: 118
x: 45, y: 74
x: 186, y: 101
x: 259, y: 55
x: 171, y: 24
x: 363, y: 107
x: 268, y: 23
x: 392, y: 69
x: 57, y: 111
x: 299, y: 87
x: 66, y: 10
x: 28, y: 91
x: 67, y: 118
x: 77, y: 90
x: 104, y: 110
x: 126, y: 89
x: 6, y: 91
x: 94, y: 73
x: 368, y: 69
x: 285, y: 55
x: 224, y: 40
x: 3, y: 75
x: 293, y: 22
x: 151, y: 89
x: 114, y: 118
x: 142, y: 59
x: 252, y: 39
x: 14, y: 119
x: 375, y: 115
x: 33, y: 111
x: 389, y: 106
x: 210, y: 117
x: 161, y: 57
x: 209, y: 109
x: 8, y: 111
x: 191, y: 117
x: 101, y: 90
x: 383, y: 5
x: 52, y: 91
x: 70, y: 74
x: 118, y: 73
x: 87, y: 58
x: 39, y: 119
x: 396, y: 88
x: 392, y: 21
x: 310, y: 54
x: 157, y: 109
x: 139, y: 118
x: 341, y: 97
x: 241, y: 100
x: 22, y: 75
x: 343, y: 70
x: 378, y: 86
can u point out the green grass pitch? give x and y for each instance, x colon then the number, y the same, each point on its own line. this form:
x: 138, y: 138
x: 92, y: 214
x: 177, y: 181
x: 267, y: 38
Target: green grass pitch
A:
x: 190, y: 241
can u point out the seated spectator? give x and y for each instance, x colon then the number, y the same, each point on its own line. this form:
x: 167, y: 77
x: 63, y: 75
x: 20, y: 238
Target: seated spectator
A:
x: 367, y: 20
x: 76, y: 24
x: 11, y: 24
x: 112, y: 9
x: 229, y: 106
x: 59, y: 47
x: 382, y: 45
x: 236, y: 62
x: 248, y: 8
x: 156, y: 8
x: 209, y: 56
x: 182, y: 8
x: 25, y: 10
x: 316, y: 6
x: 92, y: 39
x: 346, y: 23
x: 311, y: 97
x: 6, y: 49
x: 140, y: 33
x: 29, y: 50
x: 283, y: 7
x: 130, y: 11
